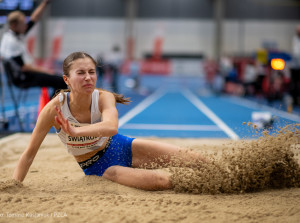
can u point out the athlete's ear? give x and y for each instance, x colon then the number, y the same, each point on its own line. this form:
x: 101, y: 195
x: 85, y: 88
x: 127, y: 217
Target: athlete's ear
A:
x: 66, y: 79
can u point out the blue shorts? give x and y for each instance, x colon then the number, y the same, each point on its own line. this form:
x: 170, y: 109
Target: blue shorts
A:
x: 118, y: 153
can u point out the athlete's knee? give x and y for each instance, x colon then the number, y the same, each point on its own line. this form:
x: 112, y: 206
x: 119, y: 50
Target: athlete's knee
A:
x: 163, y: 180
x: 111, y: 173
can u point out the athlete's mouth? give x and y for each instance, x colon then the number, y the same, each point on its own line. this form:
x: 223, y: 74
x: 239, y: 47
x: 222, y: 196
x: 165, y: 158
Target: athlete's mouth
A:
x: 88, y: 85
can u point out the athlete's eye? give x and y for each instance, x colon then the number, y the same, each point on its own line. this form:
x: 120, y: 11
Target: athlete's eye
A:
x: 80, y: 72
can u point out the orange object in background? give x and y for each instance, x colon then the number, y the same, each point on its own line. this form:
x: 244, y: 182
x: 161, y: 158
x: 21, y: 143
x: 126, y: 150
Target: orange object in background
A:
x: 157, y: 51
x: 30, y: 44
x: 130, y: 48
x: 277, y: 64
x: 44, y: 99
x: 56, y: 47
x: 150, y: 66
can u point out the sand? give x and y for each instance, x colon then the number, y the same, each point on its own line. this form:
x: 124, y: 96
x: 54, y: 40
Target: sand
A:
x: 56, y: 189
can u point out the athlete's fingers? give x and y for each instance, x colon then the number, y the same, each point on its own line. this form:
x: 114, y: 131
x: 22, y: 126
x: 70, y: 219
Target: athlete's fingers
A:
x: 57, y: 120
x: 66, y: 124
x: 59, y: 113
x: 59, y: 117
x: 63, y: 122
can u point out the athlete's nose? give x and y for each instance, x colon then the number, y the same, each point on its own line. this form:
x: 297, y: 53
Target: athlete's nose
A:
x: 87, y: 76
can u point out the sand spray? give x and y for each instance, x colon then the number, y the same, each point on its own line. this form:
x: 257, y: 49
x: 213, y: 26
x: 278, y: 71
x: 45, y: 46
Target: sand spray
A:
x: 271, y: 161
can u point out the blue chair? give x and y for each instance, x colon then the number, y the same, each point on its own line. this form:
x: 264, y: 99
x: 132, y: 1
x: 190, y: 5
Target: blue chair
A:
x: 15, y: 77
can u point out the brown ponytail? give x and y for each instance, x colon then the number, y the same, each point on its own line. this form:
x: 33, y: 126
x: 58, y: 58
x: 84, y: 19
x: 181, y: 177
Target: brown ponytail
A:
x: 119, y: 97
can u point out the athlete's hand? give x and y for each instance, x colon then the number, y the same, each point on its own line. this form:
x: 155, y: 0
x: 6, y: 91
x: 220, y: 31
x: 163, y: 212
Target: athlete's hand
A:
x: 64, y: 123
x: 8, y: 184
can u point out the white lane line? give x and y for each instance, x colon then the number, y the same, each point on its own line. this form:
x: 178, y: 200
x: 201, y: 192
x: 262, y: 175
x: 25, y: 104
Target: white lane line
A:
x: 23, y: 110
x: 171, y: 127
x: 141, y: 107
x: 212, y: 116
x: 253, y: 105
x: 10, y: 138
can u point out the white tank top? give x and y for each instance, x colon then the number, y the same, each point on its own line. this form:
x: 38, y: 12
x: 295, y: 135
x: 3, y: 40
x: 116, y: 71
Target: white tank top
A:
x: 80, y: 145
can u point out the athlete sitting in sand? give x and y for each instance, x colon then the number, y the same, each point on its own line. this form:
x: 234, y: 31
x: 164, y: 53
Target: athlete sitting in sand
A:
x: 97, y: 146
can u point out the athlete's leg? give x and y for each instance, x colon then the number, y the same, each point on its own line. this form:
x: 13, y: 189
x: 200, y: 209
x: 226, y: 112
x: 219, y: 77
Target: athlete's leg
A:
x: 147, y: 151
x: 139, y: 178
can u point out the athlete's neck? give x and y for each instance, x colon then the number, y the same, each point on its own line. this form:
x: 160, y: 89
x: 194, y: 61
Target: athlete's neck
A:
x: 79, y: 103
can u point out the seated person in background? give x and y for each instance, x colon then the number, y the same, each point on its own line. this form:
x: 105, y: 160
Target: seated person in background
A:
x: 13, y: 48
x: 114, y: 60
x: 249, y: 78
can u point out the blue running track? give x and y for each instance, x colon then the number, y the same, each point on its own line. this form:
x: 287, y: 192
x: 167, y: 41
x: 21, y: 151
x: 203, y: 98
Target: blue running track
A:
x: 173, y: 108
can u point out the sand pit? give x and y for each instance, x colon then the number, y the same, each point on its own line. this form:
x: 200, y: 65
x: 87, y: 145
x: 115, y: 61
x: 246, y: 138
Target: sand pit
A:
x: 56, y: 189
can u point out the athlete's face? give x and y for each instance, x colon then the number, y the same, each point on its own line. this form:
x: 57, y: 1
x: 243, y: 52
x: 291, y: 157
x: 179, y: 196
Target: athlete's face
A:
x: 82, y: 76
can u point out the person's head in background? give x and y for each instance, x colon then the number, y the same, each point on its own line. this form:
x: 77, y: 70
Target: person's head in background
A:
x: 17, y: 22
x: 116, y: 48
x: 298, y: 31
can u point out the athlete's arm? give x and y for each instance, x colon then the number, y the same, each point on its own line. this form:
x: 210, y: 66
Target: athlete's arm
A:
x: 44, y: 123
x: 107, y: 127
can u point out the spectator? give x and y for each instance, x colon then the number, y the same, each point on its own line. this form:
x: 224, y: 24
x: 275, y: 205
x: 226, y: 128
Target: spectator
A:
x: 114, y: 60
x: 250, y: 76
x: 295, y: 69
x: 13, y: 48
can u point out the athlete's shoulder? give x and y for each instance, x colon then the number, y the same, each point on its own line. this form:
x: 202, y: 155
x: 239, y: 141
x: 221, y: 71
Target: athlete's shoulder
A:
x: 56, y: 100
x: 106, y: 98
x: 104, y: 93
x: 50, y: 106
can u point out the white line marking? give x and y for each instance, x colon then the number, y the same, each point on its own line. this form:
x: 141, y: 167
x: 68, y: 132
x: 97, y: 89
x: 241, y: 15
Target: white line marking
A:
x: 23, y: 110
x: 171, y: 127
x: 141, y: 107
x: 212, y: 116
x: 10, y: 138
x: 253, y: 105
